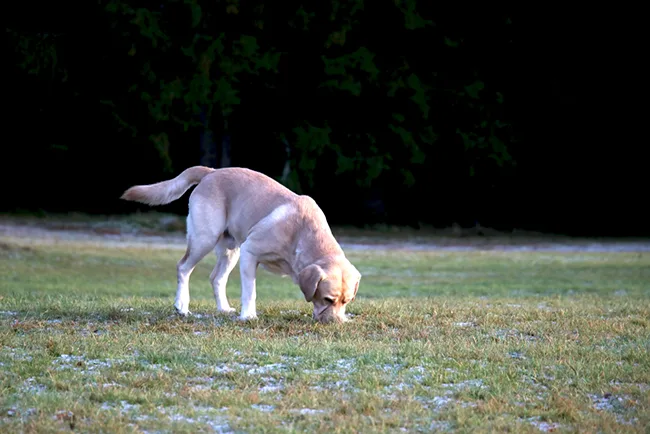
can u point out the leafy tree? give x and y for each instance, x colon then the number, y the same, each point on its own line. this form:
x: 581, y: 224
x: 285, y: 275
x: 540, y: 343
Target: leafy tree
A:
x: 212, y: 49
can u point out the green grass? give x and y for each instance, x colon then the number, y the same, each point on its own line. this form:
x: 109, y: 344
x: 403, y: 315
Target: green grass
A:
x: 450, y: 341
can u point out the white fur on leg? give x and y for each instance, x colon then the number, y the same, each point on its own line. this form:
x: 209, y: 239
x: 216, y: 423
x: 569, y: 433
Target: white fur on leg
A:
x: 182, y: 302
x: 248, y: 268
x: 227, y: 259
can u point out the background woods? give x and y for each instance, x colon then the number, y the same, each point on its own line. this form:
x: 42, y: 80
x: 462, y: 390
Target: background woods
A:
x: 385, y: 112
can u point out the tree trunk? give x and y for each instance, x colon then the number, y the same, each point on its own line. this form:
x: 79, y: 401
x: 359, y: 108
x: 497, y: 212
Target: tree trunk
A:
x: 225, y: 150
x: 208, y: 145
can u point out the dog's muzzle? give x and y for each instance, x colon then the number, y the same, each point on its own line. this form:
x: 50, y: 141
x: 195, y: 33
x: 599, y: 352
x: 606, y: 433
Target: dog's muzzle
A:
x: 327, y: 316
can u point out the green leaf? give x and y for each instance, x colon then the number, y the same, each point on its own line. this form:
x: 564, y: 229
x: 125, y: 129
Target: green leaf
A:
x: 451, y: 43
x: 418, y: 157
x: 248, y: 45
x: 419, y: 97
x: 354, y: 87
x: 334, y: 66
x: 428, y: 136
x: 196, y: 12
x: 344, y: 164
x: 305, y: 17
x: 412, y: 19
x: 394, y: 86
x: 364, y: 58
x: 189, y: 52
x: 474, y: 89
x: 409, y: 179
x: 269, y: 61
x: 225, y: 95
x: 398, y: 117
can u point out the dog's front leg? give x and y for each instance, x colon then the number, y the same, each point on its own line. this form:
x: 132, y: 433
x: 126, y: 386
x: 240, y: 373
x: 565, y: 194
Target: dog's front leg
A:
x: 184, y: 270
x: 248, y: 269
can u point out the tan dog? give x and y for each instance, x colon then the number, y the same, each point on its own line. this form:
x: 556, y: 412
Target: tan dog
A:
x: 247, y: 216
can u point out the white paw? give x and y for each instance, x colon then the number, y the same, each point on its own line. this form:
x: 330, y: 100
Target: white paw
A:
x: 182, y: 309
x: 247, y: 317
x: 228, y: 310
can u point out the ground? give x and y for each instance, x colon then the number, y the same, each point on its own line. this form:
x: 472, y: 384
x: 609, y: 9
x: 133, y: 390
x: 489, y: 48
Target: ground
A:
x: 449, y: 333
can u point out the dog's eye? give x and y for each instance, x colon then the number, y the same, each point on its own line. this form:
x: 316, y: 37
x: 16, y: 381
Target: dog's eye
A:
x: 329, y: 300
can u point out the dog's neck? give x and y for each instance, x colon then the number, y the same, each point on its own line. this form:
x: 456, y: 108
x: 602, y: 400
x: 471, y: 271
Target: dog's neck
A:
x: 315, y: 247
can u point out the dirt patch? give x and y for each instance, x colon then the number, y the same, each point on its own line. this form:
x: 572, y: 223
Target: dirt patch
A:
x: 9, y: 248
x: 117, y: 235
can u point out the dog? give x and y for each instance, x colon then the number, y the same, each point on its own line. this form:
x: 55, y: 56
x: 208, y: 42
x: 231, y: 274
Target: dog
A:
x: 245, y: 215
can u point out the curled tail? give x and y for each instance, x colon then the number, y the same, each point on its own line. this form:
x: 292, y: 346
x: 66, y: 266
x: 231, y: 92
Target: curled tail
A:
x: 164, y: 192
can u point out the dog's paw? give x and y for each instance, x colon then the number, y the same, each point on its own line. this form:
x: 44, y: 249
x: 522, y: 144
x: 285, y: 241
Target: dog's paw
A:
x: 229, y: 311
x: 244, y: 318
x: 181, y: 312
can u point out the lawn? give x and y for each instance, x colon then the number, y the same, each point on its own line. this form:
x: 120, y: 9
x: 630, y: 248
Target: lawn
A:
x: 438, y: 340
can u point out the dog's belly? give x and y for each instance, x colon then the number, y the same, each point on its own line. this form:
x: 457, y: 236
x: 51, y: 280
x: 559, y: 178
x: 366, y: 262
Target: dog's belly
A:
x: 277, y: 266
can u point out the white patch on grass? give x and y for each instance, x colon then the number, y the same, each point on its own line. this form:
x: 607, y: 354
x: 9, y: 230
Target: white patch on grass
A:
x: 339, y: 385
x: 341, y: 365
x: 32, y: 387
x: 15, y: 354
x: 439, y: 425
x: 263, y: 407
x: 122, y: 406
x: 467, y: 384
x: 273, y: 367
x: 156, y: 366
x: 14, y: 412
x: 307, y: 411
x: 402, y: 386
x: 197, y: 414
x: 464, y: 324
x: 436, y: 403
x: 516, y: 355
x: 224, y: 368
x: 641, y: 386
x: 391, y: 368
x: 81, y: 364
x: 8, y: 313
x: 347, y: 365
x: 271, y: 385
x: 514, y: 334
x: 604, y: 402
x: 63, y: 415
x: 543, y: 425
x: 618, y: 405
x: 290, y: 312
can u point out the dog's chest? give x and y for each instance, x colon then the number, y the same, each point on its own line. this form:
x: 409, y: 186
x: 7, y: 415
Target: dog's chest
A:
x: 276, y: 265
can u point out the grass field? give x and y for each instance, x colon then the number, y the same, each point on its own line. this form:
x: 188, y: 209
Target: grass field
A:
x: 439, y: 340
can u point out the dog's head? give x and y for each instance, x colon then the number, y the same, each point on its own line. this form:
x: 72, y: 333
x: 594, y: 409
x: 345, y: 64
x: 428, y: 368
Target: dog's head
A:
x: 330, y: 284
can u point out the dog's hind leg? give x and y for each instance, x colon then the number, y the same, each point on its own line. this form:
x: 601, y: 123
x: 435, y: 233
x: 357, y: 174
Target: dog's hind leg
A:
x: 200, y: 240
x: 248, y: 269
x: 227, y: 256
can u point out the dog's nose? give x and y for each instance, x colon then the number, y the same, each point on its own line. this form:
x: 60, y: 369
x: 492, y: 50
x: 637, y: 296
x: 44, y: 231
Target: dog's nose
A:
x: 327, y: 319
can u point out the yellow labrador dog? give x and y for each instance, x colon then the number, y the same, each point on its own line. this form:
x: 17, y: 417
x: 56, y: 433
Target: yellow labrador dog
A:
x: 245, y: 215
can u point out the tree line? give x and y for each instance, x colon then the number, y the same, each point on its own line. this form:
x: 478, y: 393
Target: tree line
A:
x: 386, y: 112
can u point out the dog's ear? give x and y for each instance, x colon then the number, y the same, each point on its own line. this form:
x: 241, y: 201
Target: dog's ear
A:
x: 308, y: 280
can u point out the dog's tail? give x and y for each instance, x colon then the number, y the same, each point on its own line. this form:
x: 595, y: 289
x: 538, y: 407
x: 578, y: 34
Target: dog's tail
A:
x: 165, y: 192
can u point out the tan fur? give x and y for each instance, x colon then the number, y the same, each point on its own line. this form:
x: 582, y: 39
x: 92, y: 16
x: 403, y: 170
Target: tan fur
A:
x: 165, y: 192
x: 245, y: 215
